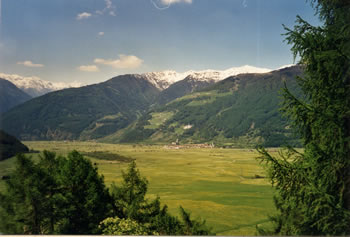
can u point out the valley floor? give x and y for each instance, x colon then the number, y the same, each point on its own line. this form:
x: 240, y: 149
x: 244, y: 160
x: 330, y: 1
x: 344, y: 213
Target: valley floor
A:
x: 224, y: 186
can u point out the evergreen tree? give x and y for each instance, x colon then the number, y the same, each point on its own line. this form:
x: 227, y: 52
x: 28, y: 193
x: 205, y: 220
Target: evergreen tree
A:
x: 85, y: 198
x: 117, y: 226
x: 57, y: 195
x: 130, y: 202
x: 129, y: 197
x: 313, y: 195
x: 25, y: 207
x: 193, y: 227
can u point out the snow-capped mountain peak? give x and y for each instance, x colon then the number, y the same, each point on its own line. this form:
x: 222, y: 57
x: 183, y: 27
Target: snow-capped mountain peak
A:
x: 34, y: 86
x: 164, y: 79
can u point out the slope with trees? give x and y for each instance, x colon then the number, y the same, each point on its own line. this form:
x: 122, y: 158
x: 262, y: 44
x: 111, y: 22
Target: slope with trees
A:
x: 81, y: 113
x: 10, y: 96
x: 240, y: 109
x: 10, y: 146
x: 182, y: 88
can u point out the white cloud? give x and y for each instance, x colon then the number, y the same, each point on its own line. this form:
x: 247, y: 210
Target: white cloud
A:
x: 30, y: 64
x: 168, y: 2
x: 101, y: 33
x: 108, y: 4
x: 83, y: 15
x: 110, y: 8
x: 165, y: 4
x: 88, y: 68
x: 124, y: 62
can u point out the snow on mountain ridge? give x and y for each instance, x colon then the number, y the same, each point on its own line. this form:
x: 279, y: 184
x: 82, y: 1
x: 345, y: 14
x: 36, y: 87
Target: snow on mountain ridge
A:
x: 35, y: 86
x: 164, y: 79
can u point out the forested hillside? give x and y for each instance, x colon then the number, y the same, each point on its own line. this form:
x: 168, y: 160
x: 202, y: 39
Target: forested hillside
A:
x: 10, y: 96
x: 81, y: 113
x: 10, y: 146
x: 239, y: 110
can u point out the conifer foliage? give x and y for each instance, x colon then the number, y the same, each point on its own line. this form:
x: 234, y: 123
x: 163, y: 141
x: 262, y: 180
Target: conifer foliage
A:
x: 54, y: 196
x: 313, y: 187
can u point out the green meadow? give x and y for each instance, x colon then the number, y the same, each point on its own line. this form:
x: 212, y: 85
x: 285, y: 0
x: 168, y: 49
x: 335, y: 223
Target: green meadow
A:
x: 224, y: 186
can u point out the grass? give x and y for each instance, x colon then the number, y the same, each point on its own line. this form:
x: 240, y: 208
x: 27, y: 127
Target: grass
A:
x: 159, y: 119
x: 101, y: 155
x: 219, y: 185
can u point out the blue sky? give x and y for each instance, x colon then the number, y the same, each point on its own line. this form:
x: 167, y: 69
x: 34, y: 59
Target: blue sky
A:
x: 93, y: 40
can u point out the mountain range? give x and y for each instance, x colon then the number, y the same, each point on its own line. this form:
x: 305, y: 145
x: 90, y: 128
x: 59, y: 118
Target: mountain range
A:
x: 34, y: 86
x: 242, y: 109
x: 83, y: 112
x: 162, y: 80
x: 159, y: 107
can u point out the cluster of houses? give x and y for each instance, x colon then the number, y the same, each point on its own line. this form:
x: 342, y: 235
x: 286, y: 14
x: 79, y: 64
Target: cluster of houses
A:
x: 176, y: 145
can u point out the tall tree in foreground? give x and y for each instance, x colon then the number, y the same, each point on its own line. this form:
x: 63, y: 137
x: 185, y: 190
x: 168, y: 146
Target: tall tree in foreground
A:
x: 56, y: 195
x: 313, y: 195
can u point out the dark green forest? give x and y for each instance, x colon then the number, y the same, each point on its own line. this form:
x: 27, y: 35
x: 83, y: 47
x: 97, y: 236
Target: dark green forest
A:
x: 10, y: 146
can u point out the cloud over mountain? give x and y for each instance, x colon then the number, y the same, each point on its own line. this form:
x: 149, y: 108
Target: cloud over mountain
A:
x: 29, y: 63
x: 88, y: 68
x: 123, y: 62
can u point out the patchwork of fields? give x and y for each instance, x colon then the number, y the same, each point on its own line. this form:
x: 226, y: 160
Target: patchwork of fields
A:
x: 224, y: 186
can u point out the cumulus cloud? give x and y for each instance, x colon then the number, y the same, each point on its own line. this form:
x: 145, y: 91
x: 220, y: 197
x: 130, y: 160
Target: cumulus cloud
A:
x: 83, y: 15
x: 123, y: 62
x: 30, y: 64
x: 88, y: 68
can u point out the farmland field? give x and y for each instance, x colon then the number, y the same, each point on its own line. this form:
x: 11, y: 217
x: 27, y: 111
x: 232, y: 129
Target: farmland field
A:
x: 224, y: 186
